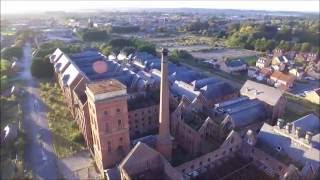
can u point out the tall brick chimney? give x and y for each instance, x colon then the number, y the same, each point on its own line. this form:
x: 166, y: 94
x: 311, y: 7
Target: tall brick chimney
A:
x: 164, y: 142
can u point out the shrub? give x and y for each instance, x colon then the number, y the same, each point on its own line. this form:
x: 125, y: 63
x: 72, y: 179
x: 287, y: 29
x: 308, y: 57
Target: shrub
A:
x: 11, y: 52
x: 41, y: 68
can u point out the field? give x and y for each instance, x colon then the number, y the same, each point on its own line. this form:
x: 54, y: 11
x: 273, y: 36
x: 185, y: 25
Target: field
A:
x: 67, y: 138
x: 221, y: 54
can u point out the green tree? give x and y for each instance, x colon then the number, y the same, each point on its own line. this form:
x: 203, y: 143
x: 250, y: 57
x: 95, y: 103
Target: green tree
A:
x: 305, y: 47
x: 41, y: 67
x: 10, y: 52
x: 4, y: 66
x: 128, y: 50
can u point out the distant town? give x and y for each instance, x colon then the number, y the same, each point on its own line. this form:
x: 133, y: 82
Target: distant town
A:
x: 156, y: 94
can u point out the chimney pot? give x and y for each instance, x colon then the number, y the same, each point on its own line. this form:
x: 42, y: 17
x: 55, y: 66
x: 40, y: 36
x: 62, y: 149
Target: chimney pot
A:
x: 288, y: 127
x: 280, y: 123
x: 298, y: 132
x: 308, y: 136
x: 164, y: 52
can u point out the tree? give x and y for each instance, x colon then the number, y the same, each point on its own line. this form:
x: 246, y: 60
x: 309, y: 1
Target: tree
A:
x: 4, y: 66
x: 93, y: 35
x: 305, y: 47
x: 41, y: 67
x: 284, y: 45
x: 128, y: 50
x: 144, y: 46
x: 10, y: 52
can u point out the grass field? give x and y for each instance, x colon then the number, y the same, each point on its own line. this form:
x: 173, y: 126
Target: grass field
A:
x: 67, y: 138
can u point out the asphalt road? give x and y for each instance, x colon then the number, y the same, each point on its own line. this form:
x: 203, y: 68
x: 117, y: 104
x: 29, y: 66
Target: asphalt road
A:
x: 39, y: 154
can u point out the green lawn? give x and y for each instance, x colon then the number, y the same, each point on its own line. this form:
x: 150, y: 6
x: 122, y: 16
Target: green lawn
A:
x: 67, y: 138
x: 250, y: 60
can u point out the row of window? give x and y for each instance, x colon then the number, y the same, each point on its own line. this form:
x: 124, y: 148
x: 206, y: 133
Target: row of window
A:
x: 117, y: 111
x: 120, y: 126
x: 142, y: 113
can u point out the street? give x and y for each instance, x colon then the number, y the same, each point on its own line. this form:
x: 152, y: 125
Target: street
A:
x: 39, y: 154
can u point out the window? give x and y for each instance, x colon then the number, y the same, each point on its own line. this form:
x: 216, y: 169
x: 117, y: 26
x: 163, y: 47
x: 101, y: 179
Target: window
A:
x: 142, y: 119
x: 149, y: 117
x: 280, y: 168
x: 209, y: 159
x: 118, y: 110
x: 119, y: 123
x: 105, y: 112
x: 135, y: 114
x: 120, y: 139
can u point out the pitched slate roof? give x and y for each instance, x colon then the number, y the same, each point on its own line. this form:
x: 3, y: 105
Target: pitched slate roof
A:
x: 141, y: 153
x: 270, y: 138
x: 61, y: 64
x: 197, y: 84
x: 69, y: 75
x: 181, y: 89
x: 217, y: 90
x: 262, y: 92
x: 308, y: 123
x: 235, y: 63
x: 246, y: 112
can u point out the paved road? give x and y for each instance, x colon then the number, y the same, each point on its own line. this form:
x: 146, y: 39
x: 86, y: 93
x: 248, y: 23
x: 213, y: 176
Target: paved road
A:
x: 39, y: 155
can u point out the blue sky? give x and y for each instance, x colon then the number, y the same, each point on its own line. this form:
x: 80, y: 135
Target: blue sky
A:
x: 9, y: 7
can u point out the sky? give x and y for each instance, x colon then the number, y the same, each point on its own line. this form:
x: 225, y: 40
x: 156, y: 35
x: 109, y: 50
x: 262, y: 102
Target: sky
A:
x: 20, y: 7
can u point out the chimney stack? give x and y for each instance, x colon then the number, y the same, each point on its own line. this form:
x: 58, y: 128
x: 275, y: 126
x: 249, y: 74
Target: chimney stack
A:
x: 308, y: 137
x: 298, y: 132
x: 288, y: 127
x: 280, y: 123
x: 164, y: 140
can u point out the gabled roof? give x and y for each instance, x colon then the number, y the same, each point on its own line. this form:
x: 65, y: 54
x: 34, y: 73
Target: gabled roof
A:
x: 217, y: 90
x: 308, y: 123
x: 70, y: 74
x: 181, y: 89
x: 235, y: 63
x: 272, y: 140
x: 139, y: 154
x: 283, y: 77
x: 197, y: 84
x: 55, y: 55
x: 262, y: 92
x: 61, y: 64
x: 246, y: 112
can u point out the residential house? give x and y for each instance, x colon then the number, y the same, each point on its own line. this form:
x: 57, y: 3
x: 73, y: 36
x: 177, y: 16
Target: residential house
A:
x: 279, y: 63
x: 297, y: 72
x: 263, y: 62
x: 235, y: 65
x: 253, y: 72
x: 281, y: 80
x: 313, y: 96
x: 272, y: 98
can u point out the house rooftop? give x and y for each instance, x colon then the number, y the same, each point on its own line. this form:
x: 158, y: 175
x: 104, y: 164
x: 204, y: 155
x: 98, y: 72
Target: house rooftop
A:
x: 105, y: 86
x: 262, y: 92
x: 287, y: 148
x: 281, y: 76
